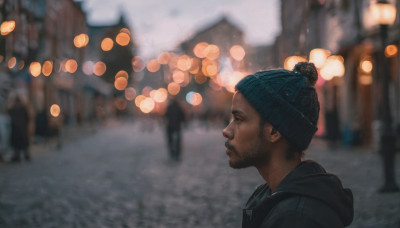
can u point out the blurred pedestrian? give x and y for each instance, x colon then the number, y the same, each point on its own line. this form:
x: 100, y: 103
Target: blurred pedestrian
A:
x: 4, y: 134
x: 56, y: 126
x: 274, y: 117
x: 19, y: 129
x: 175, y: 117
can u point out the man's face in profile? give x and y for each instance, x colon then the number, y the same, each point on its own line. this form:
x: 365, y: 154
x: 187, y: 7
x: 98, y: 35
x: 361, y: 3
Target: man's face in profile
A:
x: 244, y: 134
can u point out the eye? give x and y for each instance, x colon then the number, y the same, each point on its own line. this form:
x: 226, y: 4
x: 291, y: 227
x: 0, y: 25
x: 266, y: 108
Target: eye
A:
x: 236, y: 118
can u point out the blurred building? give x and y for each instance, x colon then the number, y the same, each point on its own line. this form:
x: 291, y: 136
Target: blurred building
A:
x: 221, y: 53
x: 203, y: 69
x: 350, y: 104
x: 60, y: 22
x: 223, y: 33
x: 48, y: 56
x: 116, y: 57
x: 198, y: 71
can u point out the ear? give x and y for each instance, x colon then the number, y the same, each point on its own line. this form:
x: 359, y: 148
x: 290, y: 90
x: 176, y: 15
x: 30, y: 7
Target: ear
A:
x: 271, y: 133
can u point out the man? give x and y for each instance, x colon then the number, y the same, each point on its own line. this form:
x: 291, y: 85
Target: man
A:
x: 274, y: 117
x: 19, y: 129
x: 175, y: 117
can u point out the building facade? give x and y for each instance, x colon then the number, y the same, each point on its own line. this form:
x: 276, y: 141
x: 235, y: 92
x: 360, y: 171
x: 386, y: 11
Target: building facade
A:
x: 43, y: 62
x: 350, y: 110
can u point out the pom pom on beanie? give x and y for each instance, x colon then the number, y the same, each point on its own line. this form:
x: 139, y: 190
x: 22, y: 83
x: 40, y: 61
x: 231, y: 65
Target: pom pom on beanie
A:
x: 308, y: 70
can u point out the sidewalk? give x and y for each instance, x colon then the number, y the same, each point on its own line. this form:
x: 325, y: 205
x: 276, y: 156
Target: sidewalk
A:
x: 123, y: 167
x: 42, y: 147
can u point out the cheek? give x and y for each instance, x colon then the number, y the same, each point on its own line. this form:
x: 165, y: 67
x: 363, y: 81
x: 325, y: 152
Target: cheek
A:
x: 246, y: 135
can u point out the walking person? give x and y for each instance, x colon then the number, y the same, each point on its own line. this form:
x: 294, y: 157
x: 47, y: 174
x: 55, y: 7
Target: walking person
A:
x: 19, y: 117
x: 274, y: 117
x: 175, y: 117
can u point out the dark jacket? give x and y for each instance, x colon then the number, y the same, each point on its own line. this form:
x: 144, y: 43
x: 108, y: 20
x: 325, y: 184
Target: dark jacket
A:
x: 175, y: 116
x: 19, y: 127
x: 306, y: 197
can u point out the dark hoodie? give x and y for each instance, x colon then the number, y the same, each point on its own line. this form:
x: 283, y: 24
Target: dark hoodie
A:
x: 306, y: 197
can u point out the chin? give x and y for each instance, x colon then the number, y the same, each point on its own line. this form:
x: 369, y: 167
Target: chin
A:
x: 238, y: 164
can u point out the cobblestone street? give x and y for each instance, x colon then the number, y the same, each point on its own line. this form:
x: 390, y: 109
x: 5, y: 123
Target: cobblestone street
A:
x: 121, y: 176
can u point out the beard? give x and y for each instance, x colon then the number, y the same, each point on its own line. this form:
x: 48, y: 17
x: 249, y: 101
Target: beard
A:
x: 254, y: 156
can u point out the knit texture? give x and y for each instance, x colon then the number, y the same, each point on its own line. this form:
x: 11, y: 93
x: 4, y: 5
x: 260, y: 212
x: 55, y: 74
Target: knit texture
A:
x: 287, y: 100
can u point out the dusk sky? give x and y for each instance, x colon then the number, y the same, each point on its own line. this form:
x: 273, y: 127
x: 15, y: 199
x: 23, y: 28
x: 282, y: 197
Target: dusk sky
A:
x: 161, y: 25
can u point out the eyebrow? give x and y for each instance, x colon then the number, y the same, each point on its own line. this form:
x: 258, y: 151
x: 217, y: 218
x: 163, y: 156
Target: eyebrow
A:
x: 236, y: 111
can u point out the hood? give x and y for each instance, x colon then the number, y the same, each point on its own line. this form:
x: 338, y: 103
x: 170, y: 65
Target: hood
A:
x: 310, y: 179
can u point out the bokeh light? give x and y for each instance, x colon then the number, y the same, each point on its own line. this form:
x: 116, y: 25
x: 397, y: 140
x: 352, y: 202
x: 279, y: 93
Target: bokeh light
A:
x: 366, y: 65
x: 130, y: 93
x: 163, y: 58
x: 35, y: 69
x: 194, y: 98
x: 153, y: 65
x: 147, y: 105
x: 195, y: 66
x: 291, y: 61
x: 146, y: 91
x: 123, y: 39
x: 232, y: 80
x: 122, y: 73
x: 333, y: 67
x: 199, y: 49
x: 71, y: 66
x: 99, y: 68
x: 21, y: 64
x: 382, y: 13
x: 318, y: 56
x: 81, y: 40
x: 178, y: 76
x: 212, y: 52
x: 173, y: 88
x: 152, y: 92
x: 237, y: 52
x: 173, y: 62
x: 120, y: 83
x: 139, y: 99
x: 209, y: 67
x: 7, y: 27
x: 55, y: 110
x: 47, y: 68
x: 184, y: 63
x: 160, y: 95
x: 138, y: 64
x: 107, y: 44
x: 391, y: 50
x: 12, y: 62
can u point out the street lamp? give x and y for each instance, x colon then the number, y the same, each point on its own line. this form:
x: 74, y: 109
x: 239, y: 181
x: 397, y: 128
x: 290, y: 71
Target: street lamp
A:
x: 384, y: 14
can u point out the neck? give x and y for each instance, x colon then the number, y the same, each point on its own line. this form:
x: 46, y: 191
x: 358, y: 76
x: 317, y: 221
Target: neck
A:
x: 277, y: 169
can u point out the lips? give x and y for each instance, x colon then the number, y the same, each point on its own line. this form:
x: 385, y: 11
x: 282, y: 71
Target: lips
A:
x: 229, y: 148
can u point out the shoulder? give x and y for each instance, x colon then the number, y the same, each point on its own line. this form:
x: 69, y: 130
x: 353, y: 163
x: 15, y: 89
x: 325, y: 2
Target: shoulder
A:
x: 300, y: 211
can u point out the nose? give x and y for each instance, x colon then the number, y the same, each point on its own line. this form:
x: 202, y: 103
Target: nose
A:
x: 227, y: 132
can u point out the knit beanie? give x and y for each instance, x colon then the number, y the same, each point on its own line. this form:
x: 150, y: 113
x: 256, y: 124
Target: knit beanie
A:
x: 287, y: 100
